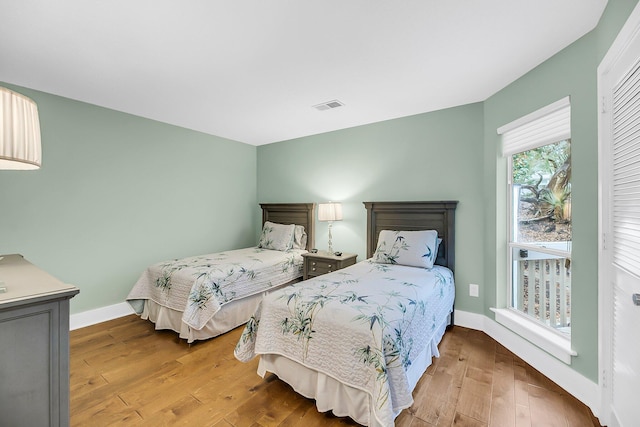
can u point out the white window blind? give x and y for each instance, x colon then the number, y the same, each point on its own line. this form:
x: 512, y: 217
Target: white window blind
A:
x: 545, y: 126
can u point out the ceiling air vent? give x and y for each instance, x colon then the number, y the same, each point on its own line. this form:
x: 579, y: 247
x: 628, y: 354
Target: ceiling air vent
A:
x: 328, y: 105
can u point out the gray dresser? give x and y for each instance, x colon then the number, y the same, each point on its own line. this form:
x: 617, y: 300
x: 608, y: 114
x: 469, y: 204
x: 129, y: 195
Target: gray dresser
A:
x: 34, y: 345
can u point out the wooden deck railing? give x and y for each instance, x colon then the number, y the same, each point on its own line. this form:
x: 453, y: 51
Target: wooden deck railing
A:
x: 545, y: 290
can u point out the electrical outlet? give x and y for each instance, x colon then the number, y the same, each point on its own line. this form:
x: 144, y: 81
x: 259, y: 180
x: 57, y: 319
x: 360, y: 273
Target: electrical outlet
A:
x: 474, y: 290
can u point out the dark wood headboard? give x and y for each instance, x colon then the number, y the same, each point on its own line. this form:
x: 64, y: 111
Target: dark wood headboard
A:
x: 439, y: 216
x: 292, y: 213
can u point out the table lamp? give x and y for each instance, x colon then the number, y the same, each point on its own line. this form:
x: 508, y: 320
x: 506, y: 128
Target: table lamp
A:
x: 330, y: 212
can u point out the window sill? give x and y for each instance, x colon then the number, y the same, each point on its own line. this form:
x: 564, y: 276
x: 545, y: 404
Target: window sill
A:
x: 552, y: 343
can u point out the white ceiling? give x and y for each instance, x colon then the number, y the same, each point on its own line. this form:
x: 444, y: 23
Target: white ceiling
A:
x: 252, y: 70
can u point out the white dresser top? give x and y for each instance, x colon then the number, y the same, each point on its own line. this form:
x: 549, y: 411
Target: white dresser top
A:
x: 24, y: 280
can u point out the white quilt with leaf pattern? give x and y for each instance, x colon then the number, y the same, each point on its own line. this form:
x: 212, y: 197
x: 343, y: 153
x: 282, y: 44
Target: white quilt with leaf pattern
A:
x: 199, y: 286
x: 362, y: 325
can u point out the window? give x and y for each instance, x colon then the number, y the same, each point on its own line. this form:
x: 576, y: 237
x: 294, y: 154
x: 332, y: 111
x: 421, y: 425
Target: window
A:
x: 538, y: 152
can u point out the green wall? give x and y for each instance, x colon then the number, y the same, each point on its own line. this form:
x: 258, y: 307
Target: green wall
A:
x: 117, y: 192
x: 433, y: 156
x: 565, y: 74
x: 572, y: 72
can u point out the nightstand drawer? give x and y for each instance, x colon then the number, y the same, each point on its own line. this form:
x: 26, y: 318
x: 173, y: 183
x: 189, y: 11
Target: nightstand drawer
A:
x: 317, y: 264
x: 317, y: 267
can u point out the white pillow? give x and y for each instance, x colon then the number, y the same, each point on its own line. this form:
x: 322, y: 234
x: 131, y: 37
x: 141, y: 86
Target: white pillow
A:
x: 412, y: 248
x: 299, y: 238
x: 275, y: 236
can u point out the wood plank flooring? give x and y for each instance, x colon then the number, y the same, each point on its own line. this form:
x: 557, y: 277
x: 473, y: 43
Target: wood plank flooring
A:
x: 123, y: 372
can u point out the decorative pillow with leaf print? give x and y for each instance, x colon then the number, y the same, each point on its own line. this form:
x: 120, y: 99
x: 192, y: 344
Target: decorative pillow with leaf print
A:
x: 412, y: 248
x: 275, y: 236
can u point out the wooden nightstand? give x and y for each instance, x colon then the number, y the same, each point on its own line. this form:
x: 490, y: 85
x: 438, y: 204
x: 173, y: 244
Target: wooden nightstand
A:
x: 324, y: 262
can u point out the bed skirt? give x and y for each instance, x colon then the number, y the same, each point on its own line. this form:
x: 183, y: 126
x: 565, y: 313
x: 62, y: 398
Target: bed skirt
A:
x: 230, y: 316
x: 331, y: 395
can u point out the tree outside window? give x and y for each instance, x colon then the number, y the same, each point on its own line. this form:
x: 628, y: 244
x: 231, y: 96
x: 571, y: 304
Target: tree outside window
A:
x: 540, y: 234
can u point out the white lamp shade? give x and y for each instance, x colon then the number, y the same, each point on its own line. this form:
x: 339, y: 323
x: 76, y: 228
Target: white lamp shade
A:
x: 329, y: 212
x: 19, y: 132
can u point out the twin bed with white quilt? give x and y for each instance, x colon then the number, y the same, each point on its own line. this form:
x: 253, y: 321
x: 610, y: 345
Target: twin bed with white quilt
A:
x: 204, y: 296
x: 358, y: 340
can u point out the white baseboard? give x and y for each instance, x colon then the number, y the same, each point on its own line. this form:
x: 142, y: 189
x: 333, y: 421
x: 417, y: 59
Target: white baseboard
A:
x: 99, y: 315
x: 579, y: 386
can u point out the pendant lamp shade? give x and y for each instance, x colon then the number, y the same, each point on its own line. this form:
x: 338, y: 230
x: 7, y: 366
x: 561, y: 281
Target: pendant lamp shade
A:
x: 20, y: 147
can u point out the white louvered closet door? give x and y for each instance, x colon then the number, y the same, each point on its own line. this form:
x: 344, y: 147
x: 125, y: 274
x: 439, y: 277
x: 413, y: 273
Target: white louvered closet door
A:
x: 625, y: 244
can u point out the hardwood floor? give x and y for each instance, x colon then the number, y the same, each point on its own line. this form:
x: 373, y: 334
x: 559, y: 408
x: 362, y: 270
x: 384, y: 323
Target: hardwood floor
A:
x: 123, y: 372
